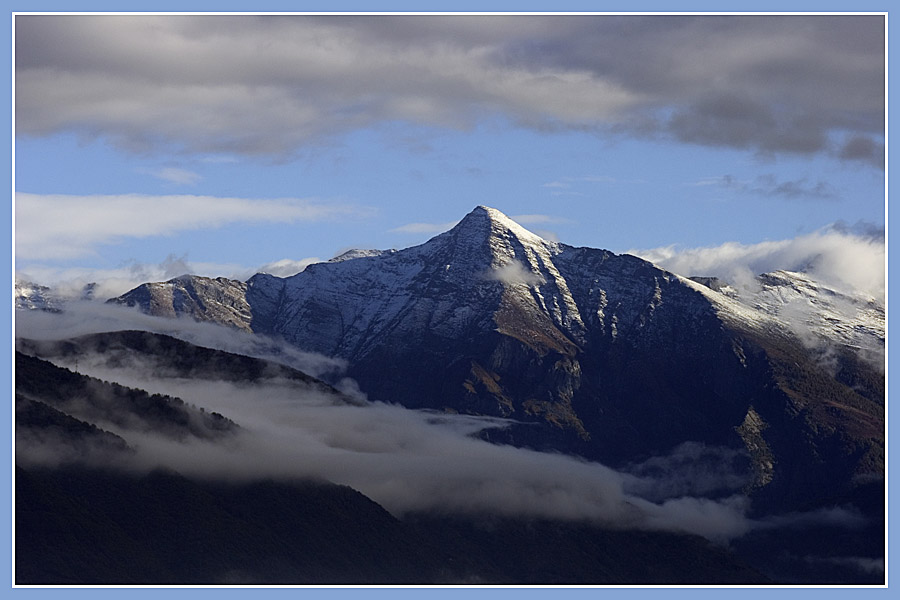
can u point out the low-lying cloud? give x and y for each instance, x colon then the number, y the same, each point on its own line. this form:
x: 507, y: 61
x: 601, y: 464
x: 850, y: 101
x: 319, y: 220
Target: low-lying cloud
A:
x: 86, y: 317
x: 406, y: 460
x: 515, y: 273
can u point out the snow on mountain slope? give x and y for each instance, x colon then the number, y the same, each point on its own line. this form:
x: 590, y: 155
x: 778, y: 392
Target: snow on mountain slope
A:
x: 449, y: 284
x: 819, y: 315
x: 488, y: 272
x: 358, y: 253
x: 217, y: 300
x: 587, y: 352
x: 31, y: 296
x: 854, y: 320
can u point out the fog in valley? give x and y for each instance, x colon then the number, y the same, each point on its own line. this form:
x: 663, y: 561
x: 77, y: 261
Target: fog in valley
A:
x: 406, y: 460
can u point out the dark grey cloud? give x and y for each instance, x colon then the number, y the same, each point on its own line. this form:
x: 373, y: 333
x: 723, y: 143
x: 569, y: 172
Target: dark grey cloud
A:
x: 863, y: 149
x: 863, y: 229
x: 740, y: 122
x: 769, y: 185
x: 794, y: 188
x: 269, y: 85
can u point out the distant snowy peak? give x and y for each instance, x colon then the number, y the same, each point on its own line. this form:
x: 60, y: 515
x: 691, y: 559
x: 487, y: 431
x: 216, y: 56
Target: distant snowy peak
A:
x: 359, y: 253
x: 32, y: 296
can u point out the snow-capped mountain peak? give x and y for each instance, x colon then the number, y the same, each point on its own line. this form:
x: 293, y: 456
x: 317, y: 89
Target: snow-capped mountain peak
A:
x: 358, y: 253
x: 502, y: 235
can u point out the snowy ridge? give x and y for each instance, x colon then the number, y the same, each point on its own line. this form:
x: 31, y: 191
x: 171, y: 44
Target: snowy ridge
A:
x: 815, y: 312
x: 358, y: 253
x: 488, y: 273
x: 821, y: 311
x: 218, y: 300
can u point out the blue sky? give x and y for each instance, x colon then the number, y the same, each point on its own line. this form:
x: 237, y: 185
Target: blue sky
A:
x: 152, y: 145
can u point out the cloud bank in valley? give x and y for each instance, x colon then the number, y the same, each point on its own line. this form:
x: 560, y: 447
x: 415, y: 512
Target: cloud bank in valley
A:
x: 86, y: 317
x: 406, y: 460
x: 802, y: 85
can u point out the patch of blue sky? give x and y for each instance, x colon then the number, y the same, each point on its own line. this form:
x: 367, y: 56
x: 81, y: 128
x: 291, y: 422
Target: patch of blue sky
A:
x: 594, y: 190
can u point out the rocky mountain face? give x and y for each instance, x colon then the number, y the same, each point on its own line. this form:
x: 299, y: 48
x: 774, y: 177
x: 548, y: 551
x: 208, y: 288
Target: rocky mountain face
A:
x: 586, y: 352
x: 219, y: 300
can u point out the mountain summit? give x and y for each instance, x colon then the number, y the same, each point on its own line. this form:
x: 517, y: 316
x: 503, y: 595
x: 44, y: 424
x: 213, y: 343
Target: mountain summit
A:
x: 585, y: 352
x: 490, y: 227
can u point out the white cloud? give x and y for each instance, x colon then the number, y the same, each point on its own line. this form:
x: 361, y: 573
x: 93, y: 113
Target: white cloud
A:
x: 177, y: 176
x: 82, y: 318
x: 287, y: 267
x: 846, y: 260
x: 68, y: 226
x: 69, y: 282
x: 515, y: 273
x: 406, y: 460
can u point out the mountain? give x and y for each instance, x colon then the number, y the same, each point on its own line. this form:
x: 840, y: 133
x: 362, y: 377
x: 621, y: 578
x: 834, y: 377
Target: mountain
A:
x: 32, y: 296
x: 591, y: 353
x: 767, y: 396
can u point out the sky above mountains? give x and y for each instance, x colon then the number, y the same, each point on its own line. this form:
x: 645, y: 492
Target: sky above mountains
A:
x: 149, y: 146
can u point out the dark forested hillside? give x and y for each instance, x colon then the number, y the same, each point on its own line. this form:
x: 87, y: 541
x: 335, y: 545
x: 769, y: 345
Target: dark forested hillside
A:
x: 84, y: 526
